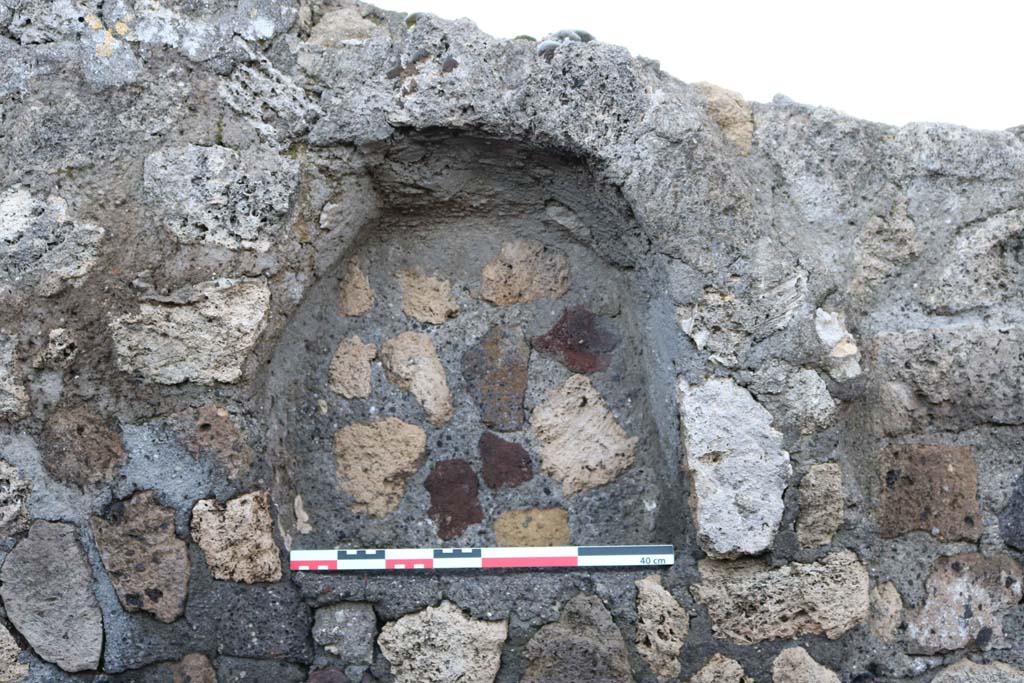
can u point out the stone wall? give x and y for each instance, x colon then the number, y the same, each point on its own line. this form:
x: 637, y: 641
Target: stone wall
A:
x: 285, y: 275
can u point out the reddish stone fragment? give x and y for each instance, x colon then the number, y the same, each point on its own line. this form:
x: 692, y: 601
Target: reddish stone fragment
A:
x: 580, y: 340
x: 505, y: 463
x: 454, y: 497
x: 495, y: 371
x: 327, y: 676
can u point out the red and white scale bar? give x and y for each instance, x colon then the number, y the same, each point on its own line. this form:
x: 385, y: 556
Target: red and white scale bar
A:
x: 483, y: 558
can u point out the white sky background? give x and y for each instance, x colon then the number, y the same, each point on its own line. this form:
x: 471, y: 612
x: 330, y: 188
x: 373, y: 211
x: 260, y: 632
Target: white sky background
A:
x: 895, y: 61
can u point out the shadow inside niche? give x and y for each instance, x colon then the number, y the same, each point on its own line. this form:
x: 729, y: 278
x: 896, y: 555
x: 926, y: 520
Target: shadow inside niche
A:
x: 452, y: 205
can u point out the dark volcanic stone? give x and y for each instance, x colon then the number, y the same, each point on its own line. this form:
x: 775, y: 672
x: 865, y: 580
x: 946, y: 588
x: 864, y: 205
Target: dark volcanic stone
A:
x: 327, y: 676
x: 236, y: 670
x: 580, y: 340
x: 454, y: 497
x: 929, y: 488
x: 495, y: 371
x: 82, y: 448
x: 504, y: 463
x: 1011, y: 519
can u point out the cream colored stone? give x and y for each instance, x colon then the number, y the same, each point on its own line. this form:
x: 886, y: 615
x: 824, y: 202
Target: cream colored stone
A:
x: 355, y: 295
x: 340, y: 27
x: 525, y: 271
x: 732, y: 114
x: 532, y: 527
x: 582, y: 446
x: 411, y: 363
x: 966, y: 671
x: 821, y: 505
x: 721, y: 669
x: 11, y: 670
x: 351, y: 369
x: 441, y: 645
x: 795, y: 665
x: 886, y: 611
x: 13, y: 397
x: 661, y: 627
x: 375, y: 459
x: 302, y: 524
x: 425, y: 298
x: 842, y: 357
x: 749, y: 601
x: 237, y: 538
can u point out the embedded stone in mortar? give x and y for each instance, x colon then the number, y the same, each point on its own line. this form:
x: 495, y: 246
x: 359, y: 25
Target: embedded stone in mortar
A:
x: 82, y: 448
x: 14, y: 491
x: 238, y: 538
x: 46, y: 586
x: 525, y: 271
x: 214, y: 195
x: 533, y: 527
x: 749, y: 601
x: 351, y: 369
x: 966, y: 671
x: 505, y: 463
x: 1011, y: 519
x: 147, y: 563
x: 454, y: 497
x: 582, y: 446
x: 661, y: 627
x: 441, y: 644
x: 355, y: 296
x: 340, y: 27
x: 204, y: 335
x: 797, y: 397
x: 795, y: 665
x: 886, y: 612
x: 580, y: 340
x: 347, y: 631
x: 721, y: 669
x: 11, y: 670
x: 13, y: 397
x: 732, y: 113
x: 930, y: 488
x: 411, y: 363
x: 375, y: 459
x: 495, y: 371
x: 60, y: 352
x: 821, y: 505
x: 426, y: 298
x: 210, y: 431
x: 842, y: 357
x: 193, y: 668
x: 966, y: 596
x: 738, y: 470
x: 583, y: 645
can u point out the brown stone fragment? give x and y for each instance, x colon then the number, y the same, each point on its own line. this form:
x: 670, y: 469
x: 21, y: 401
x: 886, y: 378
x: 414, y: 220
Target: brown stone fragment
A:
x: 886, y: 611
x: 427, y: 299
x: 929, y: 488
x: 355, y: 297
x: 193, y: 668
x: 147, y: 563
x: 505, y: 463
x: 821, y: 505
x: 454, y: 497
x: 238, y: 538
x: 351, y: 372
x: 525, y: 271
x: 532, y: 527
x: 966, y: 596
x: 495, y: 370
x: 82, y: 448
x: 795, y: 665
x: 211, y: 431
x: 411, y: 363
x: 580, y: 340
x: 375, y: 459
x: 721, y: 669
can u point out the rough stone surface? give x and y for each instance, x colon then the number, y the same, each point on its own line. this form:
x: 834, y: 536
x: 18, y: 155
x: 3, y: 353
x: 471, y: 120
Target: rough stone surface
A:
x: 14, y: 492
x: 797, y: 398
x: 203, y: 337
x: 580, y: 340
x: 13, y: 397
x: 821, y: 505
x: 732, y: 113
x: 749, y: 601
x: 11, y: 669
x: 60, y: 352
x: 966, y: 671
x: 47, y: 593
x: 965, y: 598
x: 193, y: 668
x: 929, y: 488
x: 505, y: 463
x: 411, y: 363
x: 795, y: 665
x: 454, y: 497
x: 351, y: 369
x: 661, y: 627
x: 532, y: 527
x: 237, y: 538
x: 886, y: 611
x: 582, y: 445
x: 210, y: 431
x: 426, y: 298
x: 82, y: 447
x: 495, y: 371
x: 841, y: 354
x: 442, y: 644
x: 1011, y: 519
x: 375, y: 459
x: 584, y: 644
x: 738, y: 469
x: 347, y: 631
x: 721, y: 669
x: 525, y: 271
x: 147, y: 563
x: 355, y: 296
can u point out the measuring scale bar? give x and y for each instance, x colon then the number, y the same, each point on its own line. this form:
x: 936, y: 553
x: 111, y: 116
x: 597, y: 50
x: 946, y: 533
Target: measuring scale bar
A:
x: 358, y: 560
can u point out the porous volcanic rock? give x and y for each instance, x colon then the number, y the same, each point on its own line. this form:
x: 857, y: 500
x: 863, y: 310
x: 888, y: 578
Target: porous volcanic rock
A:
x: 375, y: 459
x: 580, y: 340
x: 210, y: 431
x: 82, y: 447
x: 14, y: 491
x: 351, y: 371
x: 532, y: 527
x: 525, y: 271
x: 237, y: 538
x: 355, y: 296
x: 454, y: 497
x: 721, y: 669
x: 505, y: 463
x: 966, y: 671
x: 347, y: 630
x: 661, y: 627
x: 13, y: 396
x: 795, y: 665
x: 411, y: 363
x: 495, y: 371
x: 426, y: 298
x: 821, y: 505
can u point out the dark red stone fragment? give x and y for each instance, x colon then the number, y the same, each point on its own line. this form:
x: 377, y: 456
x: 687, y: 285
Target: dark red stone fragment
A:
x: 454, y: 497
x: 505, y: 463
x: 327, y: 676
x: 495, y: 371
x: 580, y: 340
